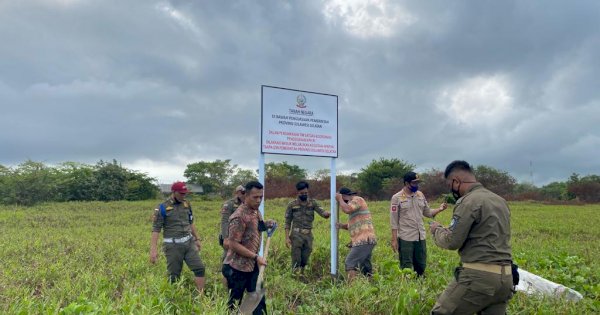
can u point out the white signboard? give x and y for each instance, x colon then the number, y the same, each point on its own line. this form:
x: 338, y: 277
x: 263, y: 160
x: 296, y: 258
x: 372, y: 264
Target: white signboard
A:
x: 298, y: 122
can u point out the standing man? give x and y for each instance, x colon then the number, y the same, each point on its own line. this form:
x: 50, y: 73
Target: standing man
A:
x: 227, y: 210
x: 480, y: 230
x: 299, y: 217
x: 362, y: 233
x: 245, y: 227
x: 180, y: 238
x: 407, y: 210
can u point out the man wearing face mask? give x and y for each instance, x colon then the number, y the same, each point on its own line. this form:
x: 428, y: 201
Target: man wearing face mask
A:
x: 480, y: 230
x: 299, y: 217
x: 408, y: 207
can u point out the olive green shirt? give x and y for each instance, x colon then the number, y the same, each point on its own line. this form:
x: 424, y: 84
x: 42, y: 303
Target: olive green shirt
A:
x: 178, y: 220
x: 227, y: 210
x: 302, y: 214
x: 480, y: 228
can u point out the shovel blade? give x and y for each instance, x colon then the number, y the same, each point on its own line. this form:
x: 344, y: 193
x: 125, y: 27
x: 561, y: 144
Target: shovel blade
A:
x: 251, y: 300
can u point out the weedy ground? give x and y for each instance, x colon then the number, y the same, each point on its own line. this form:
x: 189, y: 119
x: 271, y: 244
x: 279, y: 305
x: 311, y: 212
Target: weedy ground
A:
x: 92, y: 258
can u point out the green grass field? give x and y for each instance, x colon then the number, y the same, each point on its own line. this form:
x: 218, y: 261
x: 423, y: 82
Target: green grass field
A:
x: 92, y: 258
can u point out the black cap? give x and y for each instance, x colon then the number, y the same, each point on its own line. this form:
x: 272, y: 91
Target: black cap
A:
x: 347, y: 191
x: 411, y: 176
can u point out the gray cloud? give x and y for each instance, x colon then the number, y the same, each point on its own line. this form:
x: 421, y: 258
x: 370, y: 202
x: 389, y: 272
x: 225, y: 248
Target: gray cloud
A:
x: 159, y: 84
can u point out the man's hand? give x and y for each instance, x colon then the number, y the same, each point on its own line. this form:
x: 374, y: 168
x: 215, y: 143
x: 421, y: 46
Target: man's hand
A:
x: 288, y: 241
x: 198, y: 245
x: 153, y: 255
x: 339, y: 198
x: 261, y: 261
x: 395, y: 244
x: 326, y: 215
x: 443, y: 206
x: 226, y: 243
x: 341, y: 226
x: 434, y: 225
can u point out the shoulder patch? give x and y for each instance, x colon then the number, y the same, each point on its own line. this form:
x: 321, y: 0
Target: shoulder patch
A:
x: 394, y: 208
x: 454, y: 222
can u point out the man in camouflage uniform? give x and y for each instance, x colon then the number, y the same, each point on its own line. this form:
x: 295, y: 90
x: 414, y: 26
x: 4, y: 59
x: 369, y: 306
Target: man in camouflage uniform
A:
x: 299, y: 217
x: 480, y: 230
x: 180, y: 238
x: 227, y: 210
x: 408, y: 207
x: 245, y: 227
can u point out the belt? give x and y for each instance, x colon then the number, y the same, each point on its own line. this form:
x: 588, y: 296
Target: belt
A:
x: 177, y: 240
x: 498, y: 269
x: 303, y: 231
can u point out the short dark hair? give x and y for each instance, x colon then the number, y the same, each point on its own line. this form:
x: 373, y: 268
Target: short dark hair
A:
x: 457, y: 165
x: 253, y: 184
x: 301, y: 185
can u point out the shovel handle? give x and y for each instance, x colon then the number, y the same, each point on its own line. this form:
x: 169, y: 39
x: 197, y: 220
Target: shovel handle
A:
x: 261, y: 268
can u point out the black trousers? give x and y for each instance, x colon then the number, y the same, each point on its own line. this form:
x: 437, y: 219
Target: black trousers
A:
x: 240, y: 281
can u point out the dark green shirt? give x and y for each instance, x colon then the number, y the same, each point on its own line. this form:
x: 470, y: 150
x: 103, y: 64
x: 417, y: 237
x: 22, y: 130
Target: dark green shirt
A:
x: 480, y: 228
x: 177, y: 221
x: 302, y: 214
x: 227, y: 210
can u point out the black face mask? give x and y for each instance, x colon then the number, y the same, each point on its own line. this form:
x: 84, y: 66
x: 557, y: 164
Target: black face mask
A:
x: 455, y: 193
x: 303, y: 197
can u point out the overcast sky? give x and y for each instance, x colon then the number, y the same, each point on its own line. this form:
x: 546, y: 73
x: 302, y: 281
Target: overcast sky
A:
x: 161, y: 84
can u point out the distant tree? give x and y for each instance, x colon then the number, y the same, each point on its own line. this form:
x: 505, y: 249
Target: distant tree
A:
x: 500, y: 182
x: 212, y: 176
x: 7, y: 192
x: 285, y: 171
x: 322, y: 175
x: 433, y: 184
x: 586, y: 189
x: 111, y: 181
x: 388, y: 172
x: 347, y: 180
x: 241, y: 177
x: 33, y: 182
x: 77, y: 181
x: 555, y: 191
x: 140, y: 186
x: 526, y: 191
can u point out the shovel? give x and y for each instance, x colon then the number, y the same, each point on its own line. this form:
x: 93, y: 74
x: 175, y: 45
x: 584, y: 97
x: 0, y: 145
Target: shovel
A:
x: 251, y: 299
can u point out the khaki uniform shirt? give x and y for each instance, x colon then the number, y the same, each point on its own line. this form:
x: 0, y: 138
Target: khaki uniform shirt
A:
x: 243, y: 228
x: 480, y: 228
x: 406, y: 215
x: 302, y: 214
x: 178, y: 220
x: 227, y: 210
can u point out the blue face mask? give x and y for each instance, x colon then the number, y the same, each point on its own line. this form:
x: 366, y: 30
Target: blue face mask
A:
x: 414, y: 188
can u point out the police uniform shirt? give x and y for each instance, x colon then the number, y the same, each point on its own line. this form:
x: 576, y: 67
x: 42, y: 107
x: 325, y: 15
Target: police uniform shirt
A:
x: 177, y: 220
x: 406, y: 215
x: 302, y: 215
x: 480, y: 228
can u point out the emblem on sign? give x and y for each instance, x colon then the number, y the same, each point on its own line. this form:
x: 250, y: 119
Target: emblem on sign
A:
x: 301, y: 101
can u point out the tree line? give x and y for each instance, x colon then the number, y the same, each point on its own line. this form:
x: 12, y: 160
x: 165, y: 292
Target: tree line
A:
x: 33, y: 182
x: 382, y: 178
